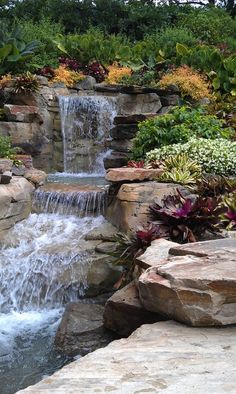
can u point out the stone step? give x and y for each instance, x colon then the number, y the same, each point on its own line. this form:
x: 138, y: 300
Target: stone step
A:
x: 156, y: 253
x: 163, y: 357
x: 205, y: 248
x: 130, y: 174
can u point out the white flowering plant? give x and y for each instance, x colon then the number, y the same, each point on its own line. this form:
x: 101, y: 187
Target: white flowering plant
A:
x: 214, y: 156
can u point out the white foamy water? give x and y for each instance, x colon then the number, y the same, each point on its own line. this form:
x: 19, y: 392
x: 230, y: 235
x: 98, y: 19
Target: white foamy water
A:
x: 44, y: 261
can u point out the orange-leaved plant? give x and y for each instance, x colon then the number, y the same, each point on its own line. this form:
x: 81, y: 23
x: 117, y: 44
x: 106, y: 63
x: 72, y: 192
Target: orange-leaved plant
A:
x: 116, y: 73
x: 66, y: 76
x: 190, y: 82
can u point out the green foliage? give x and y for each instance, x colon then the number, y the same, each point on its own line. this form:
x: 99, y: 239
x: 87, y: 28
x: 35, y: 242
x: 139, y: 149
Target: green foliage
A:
x: 44, y: 31
x: 14, y: 50
x: 224, y: 108
x: 212, y: 26
x: 94, y: 45
x: 214, y: 156
x: 181, y: 169
x: 6, y: 150
x: 177, y: 126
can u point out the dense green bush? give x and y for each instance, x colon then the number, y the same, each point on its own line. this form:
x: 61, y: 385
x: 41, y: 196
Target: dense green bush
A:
x: 6, y: 150
x: 45, y: 31
x: 215, y: 156
x: 178, y: 126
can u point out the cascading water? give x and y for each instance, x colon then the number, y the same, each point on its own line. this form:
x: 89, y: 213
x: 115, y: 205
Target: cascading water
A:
x: 86, y: 122
x: 44, y: 260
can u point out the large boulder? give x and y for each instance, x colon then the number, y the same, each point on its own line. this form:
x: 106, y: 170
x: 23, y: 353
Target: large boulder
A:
x: 199, y: 291
x: 22, y: 113
x: 165, y: 357
x: 37, y: 177
x: 129, y: 104
x: 15, y: 202
x: 81, y: 329
x: 130, y: 207
x: 124, y: 312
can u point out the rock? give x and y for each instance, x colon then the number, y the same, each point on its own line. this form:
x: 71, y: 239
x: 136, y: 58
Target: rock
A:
x: 199, y: 291
x: 37, y: 177
x: 102, y: 275
x: 86, y: 84
x: 165, y: 110
x: 105, y: 232
x: 106, y: 247
x: 15, y: 202
x: 81, y: 329
x: 130, y: 207
x: 135, y: 89
x: 155, y: 253
x: 121, y: 145
x: 206, y: 248
x: 124, y: 312
x: 43, y: 81
x: 165, y: 357
x: 132, y: 119
x: 6, y: 177
x: 115, y: 160
x: 28, y: 136
x: 18, y: 170
x: 22, y: 113
x: 131, y: 174
x: 103, y: 88
x: 124, y: 131
x: 129, y: 104
x: 172, y: 100
x: 5, y: 165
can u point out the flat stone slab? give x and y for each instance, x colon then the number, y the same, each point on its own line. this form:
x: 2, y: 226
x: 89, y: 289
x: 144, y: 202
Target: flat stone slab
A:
x: 124, y: 312
x: 205, y: 248
x: 125, y: 174
x: 163, y: 357
x: 199, y: 291
x: 155, y: 253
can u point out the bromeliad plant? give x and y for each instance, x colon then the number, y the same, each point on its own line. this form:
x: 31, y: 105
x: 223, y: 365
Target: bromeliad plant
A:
x: 26, y: 83
x: 228, y: 218
x: 181, y: 169
x: 215, y: 186
x: 186, y: 219
x: 130, y: 246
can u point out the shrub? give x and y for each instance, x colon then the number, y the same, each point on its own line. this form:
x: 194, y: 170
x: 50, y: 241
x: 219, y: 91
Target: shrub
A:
x: 181, y: 169
x: 116, y: 73
x: 68, y: 77
x: 190, y: 82
x: 178, y: 126
x: 6, y: 150
x: 215, y: 156
x: 228, y: 218
x: 213, y: 186
x: 25, y: 84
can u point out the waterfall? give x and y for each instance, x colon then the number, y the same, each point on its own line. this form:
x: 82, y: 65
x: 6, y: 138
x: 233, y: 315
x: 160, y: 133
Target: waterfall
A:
x: 86, y: 122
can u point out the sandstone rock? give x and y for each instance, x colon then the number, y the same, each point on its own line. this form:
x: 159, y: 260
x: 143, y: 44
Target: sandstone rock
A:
x: 22, y: 113
x: 37, y: 177
x: 199, y: 291
x: 87, y: 84
x: 102, y: 275
x: 130, y: 207
x: 5, y: 165
x: 163, y: 357
x: 15, y: 202
x: 135, y: 89
x: 124, y: 312
x: 81, y: 329
x: 115, y: 160
x: 155, y: 253
x: 101, y: 87
x: 205, y: 248
x: 6, y: 177
x: 43, y: 81
x: 129, y: 104
x: 131, y: 174
x: 121, y: 145
x: 18, y: 170
x: 124, y: 131
x: 172, y: 100
x: 104, y: 232
x: 132, y: 119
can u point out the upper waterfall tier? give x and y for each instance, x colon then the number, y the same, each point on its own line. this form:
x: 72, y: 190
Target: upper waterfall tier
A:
x: 86, y: 122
